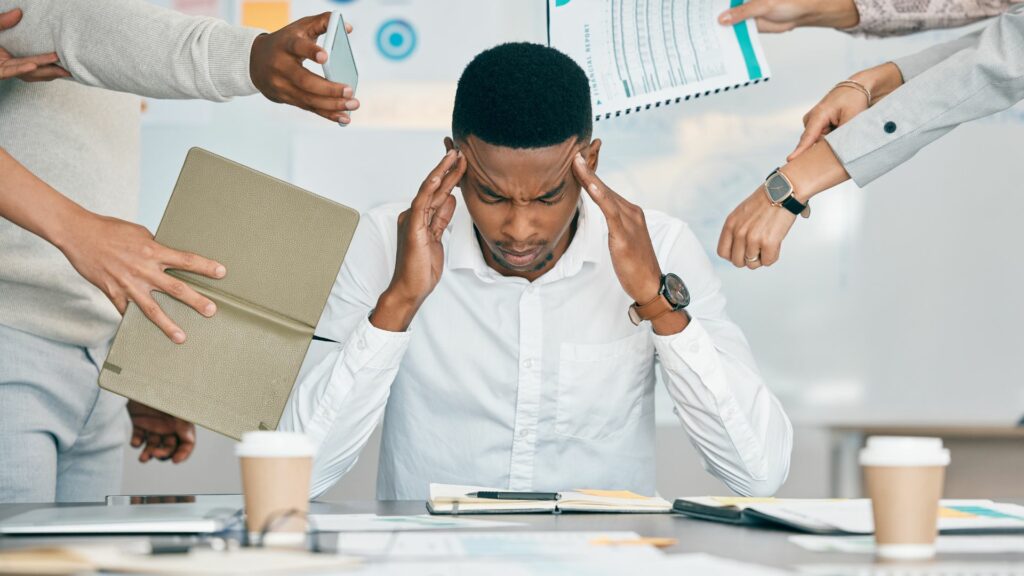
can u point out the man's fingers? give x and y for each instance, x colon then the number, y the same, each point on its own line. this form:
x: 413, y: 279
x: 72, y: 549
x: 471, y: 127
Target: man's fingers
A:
x: 316, y: 25
x: 10, y: 18
x: 156, y: 315
x: 442, y: 217
x: 45, y: 74
x: 448, y: 183
x: 186, y: 435
x: 433, y: 181
x: 190, y: 262
x: 137, y: 436
x: 183, y: 292
x: 168, y: 446
x: 307, y: 49
x: 348, y: 28
x: 744, y: 11
x: 315, y: 85
x: 603, y: 197
x: 739, y: 250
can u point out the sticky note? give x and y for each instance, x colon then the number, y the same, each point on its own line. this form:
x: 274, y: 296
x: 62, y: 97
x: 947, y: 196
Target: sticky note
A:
x: 269, y: 15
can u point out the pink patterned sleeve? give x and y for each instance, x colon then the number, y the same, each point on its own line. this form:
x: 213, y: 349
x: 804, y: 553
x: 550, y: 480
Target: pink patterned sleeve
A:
x: 898, y: 17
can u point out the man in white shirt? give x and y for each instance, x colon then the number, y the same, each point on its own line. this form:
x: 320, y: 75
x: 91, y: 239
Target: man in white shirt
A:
x: 498, y: 332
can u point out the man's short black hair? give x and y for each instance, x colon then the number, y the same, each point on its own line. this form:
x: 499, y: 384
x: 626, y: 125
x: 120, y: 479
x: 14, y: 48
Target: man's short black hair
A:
x: 522, y: 95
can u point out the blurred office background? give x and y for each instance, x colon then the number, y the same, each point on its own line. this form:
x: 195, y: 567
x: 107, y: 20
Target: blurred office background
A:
x: 897, y: 308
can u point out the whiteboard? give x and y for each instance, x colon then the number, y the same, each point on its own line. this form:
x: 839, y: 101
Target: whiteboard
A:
x: 895, y: 304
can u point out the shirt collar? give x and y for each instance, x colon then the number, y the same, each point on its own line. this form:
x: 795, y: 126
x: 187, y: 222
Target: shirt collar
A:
x: 588, y: 245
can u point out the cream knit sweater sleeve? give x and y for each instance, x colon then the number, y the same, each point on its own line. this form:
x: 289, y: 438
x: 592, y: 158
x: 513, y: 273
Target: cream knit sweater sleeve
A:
x: 134, y: 46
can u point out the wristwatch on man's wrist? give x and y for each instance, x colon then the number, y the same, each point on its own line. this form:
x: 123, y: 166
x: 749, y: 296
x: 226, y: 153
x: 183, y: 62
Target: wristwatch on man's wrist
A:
x: 780, y: 193
x: 672, y: 296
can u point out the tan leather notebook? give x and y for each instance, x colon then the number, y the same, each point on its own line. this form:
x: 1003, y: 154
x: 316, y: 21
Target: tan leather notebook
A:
x: 283, y: 248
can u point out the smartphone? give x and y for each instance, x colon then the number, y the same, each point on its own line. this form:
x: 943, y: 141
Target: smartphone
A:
x: 341, y: 64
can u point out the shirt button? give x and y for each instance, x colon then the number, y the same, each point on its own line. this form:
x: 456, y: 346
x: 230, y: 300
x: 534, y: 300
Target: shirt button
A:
x: 889, y: 127
x: 530, y: 289
x: 527, y: 363
x: 523, y: 432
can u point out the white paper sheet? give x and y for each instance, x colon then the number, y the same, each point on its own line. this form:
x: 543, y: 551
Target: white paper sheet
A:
x: 475, y: 545
x: 674, y: 565
x: 943, y: 544
x: 922, y: 569
x: 375, y: 523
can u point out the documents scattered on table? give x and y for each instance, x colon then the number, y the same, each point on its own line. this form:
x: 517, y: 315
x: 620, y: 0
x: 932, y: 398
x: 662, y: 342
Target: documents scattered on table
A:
x: 976, y: 544
x: 848, y: 516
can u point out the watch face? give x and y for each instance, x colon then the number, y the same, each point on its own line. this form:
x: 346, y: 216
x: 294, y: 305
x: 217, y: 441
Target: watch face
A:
x: 675, y: 292
x: 777, y: 187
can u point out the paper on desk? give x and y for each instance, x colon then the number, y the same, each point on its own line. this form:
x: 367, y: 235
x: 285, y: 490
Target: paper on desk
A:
x: 489, y: 544
x: 375, y: 523
x: 854, y: 516
x: 136, y: 559
x: 917, y: 569
x: 943, y: 544
x: 671, y: 565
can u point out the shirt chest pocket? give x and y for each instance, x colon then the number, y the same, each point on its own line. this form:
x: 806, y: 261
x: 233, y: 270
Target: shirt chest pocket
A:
x: 601, y: 387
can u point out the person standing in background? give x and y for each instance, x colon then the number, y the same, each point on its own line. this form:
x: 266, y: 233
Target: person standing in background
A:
x: 70, y: 259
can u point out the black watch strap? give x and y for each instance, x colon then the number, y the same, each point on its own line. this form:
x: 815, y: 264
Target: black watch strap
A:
x: 793, y: 205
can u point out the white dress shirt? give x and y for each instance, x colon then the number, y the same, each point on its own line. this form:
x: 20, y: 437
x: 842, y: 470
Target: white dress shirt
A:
x: 532, y: 386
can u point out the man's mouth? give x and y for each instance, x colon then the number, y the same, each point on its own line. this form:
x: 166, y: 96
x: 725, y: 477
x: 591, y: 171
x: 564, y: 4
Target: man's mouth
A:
x: 517, y: 259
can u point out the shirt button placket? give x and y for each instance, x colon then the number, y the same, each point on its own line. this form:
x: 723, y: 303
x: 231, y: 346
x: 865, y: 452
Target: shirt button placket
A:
x: 531, y: 331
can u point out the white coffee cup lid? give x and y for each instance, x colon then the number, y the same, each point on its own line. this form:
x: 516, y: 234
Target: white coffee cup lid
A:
x: 904, y: 451
x: 274, y: 445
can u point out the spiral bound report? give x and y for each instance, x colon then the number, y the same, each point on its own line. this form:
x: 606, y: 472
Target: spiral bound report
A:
x: 645, y: 54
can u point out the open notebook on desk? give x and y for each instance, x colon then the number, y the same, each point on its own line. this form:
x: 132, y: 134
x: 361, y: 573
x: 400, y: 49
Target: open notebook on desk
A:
x: 847, y: 516
x: 453, y: 499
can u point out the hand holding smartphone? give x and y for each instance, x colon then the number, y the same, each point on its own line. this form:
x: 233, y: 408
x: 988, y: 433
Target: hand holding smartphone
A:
x: 340, y: 66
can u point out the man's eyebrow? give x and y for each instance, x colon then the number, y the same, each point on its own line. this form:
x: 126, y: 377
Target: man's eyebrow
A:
x: 552, y: 193
x: 487, y: 191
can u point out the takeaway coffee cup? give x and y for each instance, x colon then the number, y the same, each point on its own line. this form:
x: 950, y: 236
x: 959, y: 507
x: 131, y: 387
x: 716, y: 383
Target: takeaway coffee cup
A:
x: 276, y: 468
x: 904, y: 477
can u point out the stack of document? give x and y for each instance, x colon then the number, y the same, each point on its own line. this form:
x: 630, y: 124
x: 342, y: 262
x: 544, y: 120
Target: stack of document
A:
x: 454, y: 499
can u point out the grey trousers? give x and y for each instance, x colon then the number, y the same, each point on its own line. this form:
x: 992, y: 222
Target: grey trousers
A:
x: 62, y: 438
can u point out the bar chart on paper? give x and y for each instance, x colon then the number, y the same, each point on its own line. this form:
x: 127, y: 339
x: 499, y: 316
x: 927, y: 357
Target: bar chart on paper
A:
x: 640, y: 54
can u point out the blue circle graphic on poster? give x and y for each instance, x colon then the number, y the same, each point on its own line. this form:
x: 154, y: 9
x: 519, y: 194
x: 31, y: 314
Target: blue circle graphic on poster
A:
x: 396, y: 39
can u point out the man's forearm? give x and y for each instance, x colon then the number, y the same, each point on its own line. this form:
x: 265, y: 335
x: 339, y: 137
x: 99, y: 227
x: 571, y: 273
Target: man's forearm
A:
x: 32, y: 204
x: 394, y: 312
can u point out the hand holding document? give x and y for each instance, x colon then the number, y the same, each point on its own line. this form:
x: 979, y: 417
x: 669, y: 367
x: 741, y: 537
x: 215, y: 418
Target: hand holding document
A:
x: 643, y: 54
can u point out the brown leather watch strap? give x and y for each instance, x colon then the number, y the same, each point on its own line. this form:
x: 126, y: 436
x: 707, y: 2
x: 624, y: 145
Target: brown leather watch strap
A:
x: 656, y: 308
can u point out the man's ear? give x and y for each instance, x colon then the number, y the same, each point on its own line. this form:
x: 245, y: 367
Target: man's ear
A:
x: 449, y: 144
x: 592, y: 153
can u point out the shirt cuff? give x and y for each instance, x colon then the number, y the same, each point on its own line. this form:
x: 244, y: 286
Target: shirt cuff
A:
x: 371, y: 347
x: 693, y: 346
x: 230, y: 49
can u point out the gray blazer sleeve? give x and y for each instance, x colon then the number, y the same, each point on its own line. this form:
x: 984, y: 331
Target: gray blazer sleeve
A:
x: 137, y: 47
x: 981, y: 78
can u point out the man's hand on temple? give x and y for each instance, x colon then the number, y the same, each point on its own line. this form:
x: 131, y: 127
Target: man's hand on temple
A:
x: 420, y: 257
x: 275, y: 66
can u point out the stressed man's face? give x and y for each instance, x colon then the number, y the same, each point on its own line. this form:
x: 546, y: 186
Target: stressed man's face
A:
x: 522, y: 201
